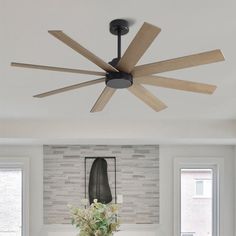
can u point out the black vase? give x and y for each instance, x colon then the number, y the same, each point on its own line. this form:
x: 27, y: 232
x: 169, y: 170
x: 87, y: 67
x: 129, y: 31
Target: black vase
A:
x: 98, y: 182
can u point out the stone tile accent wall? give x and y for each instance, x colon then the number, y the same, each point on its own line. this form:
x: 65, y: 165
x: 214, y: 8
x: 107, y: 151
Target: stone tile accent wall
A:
x: 137, y: 180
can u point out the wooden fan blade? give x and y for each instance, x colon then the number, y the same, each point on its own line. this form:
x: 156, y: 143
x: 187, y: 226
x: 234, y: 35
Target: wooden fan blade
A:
x: 176, y: 84
x: 140, y: 92
x: 59, y: 69
x: 68, y: 88
x: 81, y: 50
x: 103, y: 99
x: 179, y: 63
x: 138, y: 47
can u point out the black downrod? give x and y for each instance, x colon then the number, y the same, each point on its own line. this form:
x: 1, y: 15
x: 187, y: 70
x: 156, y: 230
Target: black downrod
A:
x: 118, y: 80
x: 119, y: 43
x: 119, y: 27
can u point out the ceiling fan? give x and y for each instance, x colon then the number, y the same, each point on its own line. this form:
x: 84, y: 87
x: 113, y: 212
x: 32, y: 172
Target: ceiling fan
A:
x: 122, y: 71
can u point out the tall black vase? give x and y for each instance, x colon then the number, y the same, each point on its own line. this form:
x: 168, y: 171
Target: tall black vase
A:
x: 98, y: 182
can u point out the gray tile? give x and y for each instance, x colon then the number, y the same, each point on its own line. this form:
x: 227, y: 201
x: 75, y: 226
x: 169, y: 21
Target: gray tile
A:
x: 137, y: 180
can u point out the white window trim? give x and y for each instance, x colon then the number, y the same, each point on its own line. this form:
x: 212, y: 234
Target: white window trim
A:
x: 23, y: 164
x: 215, y: 163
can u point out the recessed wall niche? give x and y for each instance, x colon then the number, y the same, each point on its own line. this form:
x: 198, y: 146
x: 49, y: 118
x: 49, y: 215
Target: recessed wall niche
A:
x: 137, y: 180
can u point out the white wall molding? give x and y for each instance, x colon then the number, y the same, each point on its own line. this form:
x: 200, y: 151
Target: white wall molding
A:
x: 150, y: 132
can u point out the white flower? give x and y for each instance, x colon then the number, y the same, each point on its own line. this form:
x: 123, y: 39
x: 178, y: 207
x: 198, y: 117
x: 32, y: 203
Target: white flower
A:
x: 95, y: 201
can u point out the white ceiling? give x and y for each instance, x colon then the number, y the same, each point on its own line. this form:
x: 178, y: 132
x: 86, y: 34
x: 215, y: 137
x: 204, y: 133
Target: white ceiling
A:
x: 187, y: 27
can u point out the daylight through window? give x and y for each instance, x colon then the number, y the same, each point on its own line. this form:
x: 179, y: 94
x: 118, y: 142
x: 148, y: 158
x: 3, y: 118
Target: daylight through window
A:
x: 196, y: 202
x: 10, y: 202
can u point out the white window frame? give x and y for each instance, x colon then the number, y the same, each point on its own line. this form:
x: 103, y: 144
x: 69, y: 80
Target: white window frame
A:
x: 217, y: 165
x: 23, y: 164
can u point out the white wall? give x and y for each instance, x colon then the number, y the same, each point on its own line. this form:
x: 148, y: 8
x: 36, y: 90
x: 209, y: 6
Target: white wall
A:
x: 167, y: 154
x: 35, y: 154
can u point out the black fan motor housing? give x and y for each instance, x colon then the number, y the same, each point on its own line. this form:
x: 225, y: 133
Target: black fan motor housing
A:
x: 118, y: 80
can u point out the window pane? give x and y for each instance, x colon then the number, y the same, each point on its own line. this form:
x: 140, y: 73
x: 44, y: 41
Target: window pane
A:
x: 10, y: 202
x: 196, y: 202
x: 199, y: 187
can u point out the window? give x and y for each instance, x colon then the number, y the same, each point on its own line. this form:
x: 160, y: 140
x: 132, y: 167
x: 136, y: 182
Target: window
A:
x: 10, y: 202
x: 196, y: 201
x: 203, y: 188
x: 199, y: 187
x: 14, y: 197
x: 196, y: 213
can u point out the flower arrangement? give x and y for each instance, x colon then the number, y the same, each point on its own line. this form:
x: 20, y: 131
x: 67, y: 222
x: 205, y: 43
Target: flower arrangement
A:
x: 96, y: 220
